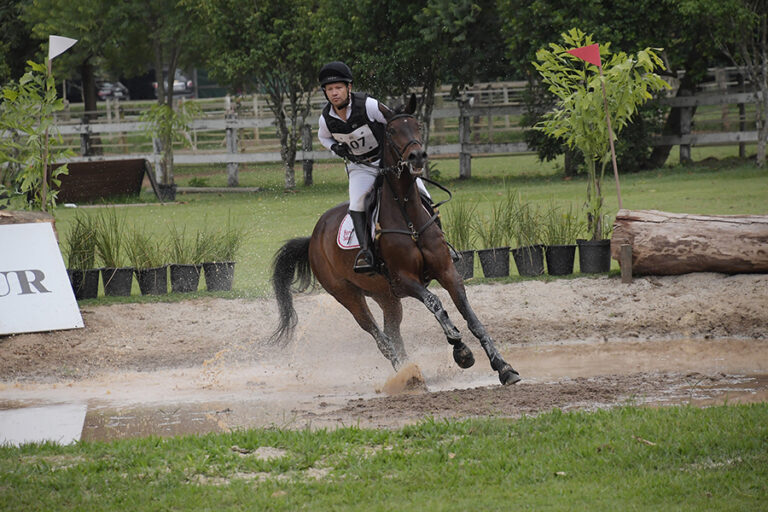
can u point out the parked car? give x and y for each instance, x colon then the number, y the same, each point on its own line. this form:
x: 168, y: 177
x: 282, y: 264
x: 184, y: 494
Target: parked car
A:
x: 183, y: 87
x: 112, y: 90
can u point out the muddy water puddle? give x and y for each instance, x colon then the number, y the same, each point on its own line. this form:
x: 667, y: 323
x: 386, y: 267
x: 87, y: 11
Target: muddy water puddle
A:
x: 307, y: 392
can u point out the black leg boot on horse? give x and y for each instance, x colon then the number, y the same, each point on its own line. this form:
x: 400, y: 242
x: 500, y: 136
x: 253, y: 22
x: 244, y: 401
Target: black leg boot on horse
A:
x: 427, y: 202
x: 364, y: 258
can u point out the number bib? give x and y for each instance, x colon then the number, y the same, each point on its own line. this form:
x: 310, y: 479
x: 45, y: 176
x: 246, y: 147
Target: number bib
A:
x: 360, y: 141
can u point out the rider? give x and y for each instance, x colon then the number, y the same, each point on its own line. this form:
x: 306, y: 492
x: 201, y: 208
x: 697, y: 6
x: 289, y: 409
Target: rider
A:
x: 352, y: 126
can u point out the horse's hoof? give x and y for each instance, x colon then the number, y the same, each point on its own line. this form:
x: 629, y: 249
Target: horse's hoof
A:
x: 508, y: 376
x: 463, y: 356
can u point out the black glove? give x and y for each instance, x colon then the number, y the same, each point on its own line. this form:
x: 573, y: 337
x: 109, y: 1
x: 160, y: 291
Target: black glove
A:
x: 342, y: 150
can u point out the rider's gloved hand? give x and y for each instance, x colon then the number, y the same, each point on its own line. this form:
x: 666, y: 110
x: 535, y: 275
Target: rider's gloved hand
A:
x: 342, y: 149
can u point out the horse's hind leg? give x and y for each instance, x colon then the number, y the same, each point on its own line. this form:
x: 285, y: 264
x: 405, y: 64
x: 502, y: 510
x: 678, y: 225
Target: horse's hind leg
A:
x: 354, y: 301
x: 393, y: 316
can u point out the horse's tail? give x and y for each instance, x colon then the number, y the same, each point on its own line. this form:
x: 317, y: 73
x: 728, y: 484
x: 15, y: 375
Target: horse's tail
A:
x: 290, y: 266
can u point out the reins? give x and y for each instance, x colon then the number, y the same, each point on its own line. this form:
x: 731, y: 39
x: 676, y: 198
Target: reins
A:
x: 399, y: 167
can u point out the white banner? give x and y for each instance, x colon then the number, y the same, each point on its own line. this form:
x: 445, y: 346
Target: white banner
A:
x: 35, y: 293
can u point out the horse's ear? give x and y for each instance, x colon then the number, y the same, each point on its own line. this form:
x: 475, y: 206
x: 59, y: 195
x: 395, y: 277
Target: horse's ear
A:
x: 386, y: 111
x: 411, y: 108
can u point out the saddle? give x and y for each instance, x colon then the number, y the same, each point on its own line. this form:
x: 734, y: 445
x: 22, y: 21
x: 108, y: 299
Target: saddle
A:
x: 346, y: 238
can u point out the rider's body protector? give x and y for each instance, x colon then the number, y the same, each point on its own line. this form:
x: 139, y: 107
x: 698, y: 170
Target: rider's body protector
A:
x: 363, y: 135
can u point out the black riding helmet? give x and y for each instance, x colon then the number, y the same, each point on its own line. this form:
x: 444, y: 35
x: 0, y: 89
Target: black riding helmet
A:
x: 335, y: 71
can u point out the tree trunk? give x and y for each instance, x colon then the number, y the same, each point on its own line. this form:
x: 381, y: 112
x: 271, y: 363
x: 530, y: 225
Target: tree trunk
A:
x: 676, y: 243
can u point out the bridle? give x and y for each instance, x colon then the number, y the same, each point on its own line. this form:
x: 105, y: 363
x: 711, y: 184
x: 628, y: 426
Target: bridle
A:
x: 400, y: 151
x: 397, y: 170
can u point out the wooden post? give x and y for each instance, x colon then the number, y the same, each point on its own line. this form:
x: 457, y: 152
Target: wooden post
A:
x: 465, y: 157
x: 256, y: 116
x: 625, y: 261
x: 686, y: 119
x: 742, y: 119
x: 232, y: 167
x: 306, y: 145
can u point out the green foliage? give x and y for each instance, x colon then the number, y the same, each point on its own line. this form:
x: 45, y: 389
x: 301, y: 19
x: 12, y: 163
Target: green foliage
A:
x: 168, y: 125
x: 527, y: 225
x: 185, y: 249
x: 458, y: 224
x: 110, y: 228
x: 26, y: 115
x: 143, y: 250
x: 491, y: 228
x: 219, y: 245
x: 80, y: 243
x: 579, y: 117
x: 561, y: 226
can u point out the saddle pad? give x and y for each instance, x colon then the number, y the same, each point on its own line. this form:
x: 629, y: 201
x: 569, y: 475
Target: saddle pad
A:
x: 346, y: 237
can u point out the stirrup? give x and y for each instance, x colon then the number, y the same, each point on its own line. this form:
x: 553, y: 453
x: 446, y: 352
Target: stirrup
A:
x: 363, y: 262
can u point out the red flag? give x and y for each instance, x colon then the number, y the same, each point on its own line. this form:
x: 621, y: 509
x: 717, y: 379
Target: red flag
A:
x: 589, y: 53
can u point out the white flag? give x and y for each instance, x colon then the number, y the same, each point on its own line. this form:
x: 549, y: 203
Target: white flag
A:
x: 58, y: 45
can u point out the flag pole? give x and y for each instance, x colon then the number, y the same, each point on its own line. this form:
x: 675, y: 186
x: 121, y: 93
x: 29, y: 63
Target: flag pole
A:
x: 610, y: 136
x: 44, y: 189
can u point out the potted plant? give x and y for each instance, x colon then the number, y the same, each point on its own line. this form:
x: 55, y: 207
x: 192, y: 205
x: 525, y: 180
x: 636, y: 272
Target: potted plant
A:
x: 110, y: 230
x: 219, y: 249
x: 579, y: 116
x: 528, y: 254
x: 187, y: 256
x: 458, y: 228
x: 595, y: 255
x: 146, y: 256
x: 560, y: 231
x: 490, y: 230
x: 80, y: 247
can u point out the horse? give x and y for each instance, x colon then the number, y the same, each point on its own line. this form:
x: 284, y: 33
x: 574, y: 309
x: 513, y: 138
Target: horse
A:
x: 411, y: 247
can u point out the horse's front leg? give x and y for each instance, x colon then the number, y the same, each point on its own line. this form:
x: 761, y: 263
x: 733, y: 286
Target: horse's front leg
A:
x: 452, y: 283
x: 461, y: 352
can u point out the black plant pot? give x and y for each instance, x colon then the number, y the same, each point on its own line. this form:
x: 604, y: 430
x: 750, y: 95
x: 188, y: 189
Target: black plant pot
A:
x: 85, y: 283
x: 153, y: 281
x: 219, y: 275
x: 494, y: 261
x: 466, y: 265
x: 594, y: 256
x: 167, y: 192
x: 560, y: 259
x: 117, y: 281
x: 529, y: 260
x: 185, y: 278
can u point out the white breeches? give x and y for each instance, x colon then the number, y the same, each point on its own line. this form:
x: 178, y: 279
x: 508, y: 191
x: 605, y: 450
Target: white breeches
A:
x: 361, y: 179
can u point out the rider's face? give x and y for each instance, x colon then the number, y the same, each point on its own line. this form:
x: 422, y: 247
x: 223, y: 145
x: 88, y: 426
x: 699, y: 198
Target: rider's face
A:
x: 337, y: 93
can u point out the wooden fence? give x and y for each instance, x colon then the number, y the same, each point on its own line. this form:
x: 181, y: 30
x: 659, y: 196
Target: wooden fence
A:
x: 486, y: 122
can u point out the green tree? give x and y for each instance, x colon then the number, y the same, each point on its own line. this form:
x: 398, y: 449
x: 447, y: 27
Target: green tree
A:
x: 422, y: 45
x: 26, y: 120
x: 17, y: 45
x: 739, y: 28
x: 269, y: 47
x: 579, y: 117
x: 88, y: 21
x: 688, y: 51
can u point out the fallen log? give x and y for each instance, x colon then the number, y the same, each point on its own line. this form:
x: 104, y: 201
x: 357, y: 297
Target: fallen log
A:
x: 666, y: 243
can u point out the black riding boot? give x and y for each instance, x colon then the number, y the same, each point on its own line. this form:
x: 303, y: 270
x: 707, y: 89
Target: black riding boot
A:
x: 428, y: 205
x: 364, y: 258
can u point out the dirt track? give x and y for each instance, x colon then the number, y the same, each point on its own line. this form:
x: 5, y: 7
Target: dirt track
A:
x: 576, y: 343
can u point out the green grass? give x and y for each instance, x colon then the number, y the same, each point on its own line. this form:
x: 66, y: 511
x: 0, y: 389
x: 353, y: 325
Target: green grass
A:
x: 699, y: 459
x: 271, y: 216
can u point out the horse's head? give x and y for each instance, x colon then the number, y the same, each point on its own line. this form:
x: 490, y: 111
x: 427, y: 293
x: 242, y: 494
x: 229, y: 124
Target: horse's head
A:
x: 405, y: 148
